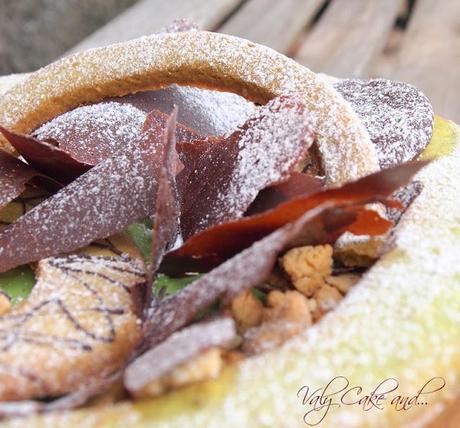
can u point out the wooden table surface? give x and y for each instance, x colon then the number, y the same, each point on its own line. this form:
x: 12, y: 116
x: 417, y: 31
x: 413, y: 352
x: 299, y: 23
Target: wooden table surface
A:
x: 417, y: 41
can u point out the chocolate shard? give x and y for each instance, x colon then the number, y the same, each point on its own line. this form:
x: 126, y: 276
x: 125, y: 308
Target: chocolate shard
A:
x: 157, y: 118
x: 103, y: 201
x: 178, y: 349
x: 228, y: 177
x: 167, y: 210
x: 297, y: 185
x: 208, y: 112
x: 246, y: 269
x: 14, y: 175
x: 189, y: 154
x: 406, y: 195
x: 46, y: 157
x: 218, y: 243
x: 398, y: 117
x: 90, y: 134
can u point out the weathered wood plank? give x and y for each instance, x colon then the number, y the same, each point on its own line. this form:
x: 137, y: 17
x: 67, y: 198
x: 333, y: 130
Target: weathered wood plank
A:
x: 429, y: 56
x: 273, y: 23
x: 149, y: 16
x: 349, y: 36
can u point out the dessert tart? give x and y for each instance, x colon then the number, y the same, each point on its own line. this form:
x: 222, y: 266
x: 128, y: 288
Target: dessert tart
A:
x: 249, y: 248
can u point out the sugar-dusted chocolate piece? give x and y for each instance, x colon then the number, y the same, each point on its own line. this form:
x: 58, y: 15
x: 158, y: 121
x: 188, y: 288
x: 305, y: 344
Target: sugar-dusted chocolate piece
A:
x: 167, y: 208
x: 189, y: 154
x: 406, y: 195
x: 156, y: 118
x: 178, y: 349
x: 228, y: 177
x: 298, y: 184
x: 14, y: 175
x: 47, y: 157
x: 218, y: 243
x: 398, y: 117
x: 103, y: 201
x: 92, y: 133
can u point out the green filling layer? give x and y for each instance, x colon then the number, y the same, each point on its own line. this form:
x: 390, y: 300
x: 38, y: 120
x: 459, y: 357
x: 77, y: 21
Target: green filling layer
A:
x: 17, y: 283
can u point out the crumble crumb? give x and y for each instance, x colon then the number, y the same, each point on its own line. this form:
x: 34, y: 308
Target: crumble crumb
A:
x: 307, y: 267
x: 247, y: 310
x: 327, y: 298
x: 290, y: 306
x: 287, y: 315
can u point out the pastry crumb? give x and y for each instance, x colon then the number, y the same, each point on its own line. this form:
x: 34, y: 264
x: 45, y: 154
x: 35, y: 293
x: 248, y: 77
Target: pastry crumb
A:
x: 307, y: 267
x: 287, y: 315
x: 247, y: 310
x: 327, y: 298
x: 290, y: 306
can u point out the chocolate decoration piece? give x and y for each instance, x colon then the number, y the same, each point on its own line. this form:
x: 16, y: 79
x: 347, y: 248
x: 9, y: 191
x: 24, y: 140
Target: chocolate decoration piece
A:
x: 406, y: 195
x: 176, y: 350
x: 157, y: 118
x: 167, y: 210
x: 14, y: 175
x: 46, y: 157
x: 208, y: 112
x: 91, y: 134
x: 218, y: 243
x: 228, y: 177
x: 246, y: 269
x: 298, y: 184
x: 94, y: 132
x: 398, y: 117
x: 103, y: 201
x: 189, y: 154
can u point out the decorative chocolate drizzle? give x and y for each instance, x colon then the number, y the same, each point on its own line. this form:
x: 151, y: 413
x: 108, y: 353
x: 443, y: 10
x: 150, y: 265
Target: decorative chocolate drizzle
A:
x: 79, y: 304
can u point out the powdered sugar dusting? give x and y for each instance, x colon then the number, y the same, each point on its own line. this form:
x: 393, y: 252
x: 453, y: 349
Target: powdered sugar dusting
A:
x: 405, y: 309
x: 284, y: 130
x: 103, y: 128
x: 100, y: 128
x: 210, y: 112
x: 207, y: 111
x: 14, y: 175
x: 109, y: 197
x: 231, y: 173
x: 398, y: 117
